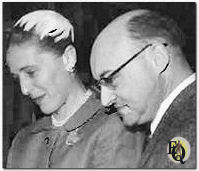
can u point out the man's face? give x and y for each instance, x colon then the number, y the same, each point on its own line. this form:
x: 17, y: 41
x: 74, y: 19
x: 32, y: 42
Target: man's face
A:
x: 133, y: 88
x: 41, y: 75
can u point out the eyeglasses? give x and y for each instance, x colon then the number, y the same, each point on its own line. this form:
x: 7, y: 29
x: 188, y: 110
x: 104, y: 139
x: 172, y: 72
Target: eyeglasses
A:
x: 108, y: 80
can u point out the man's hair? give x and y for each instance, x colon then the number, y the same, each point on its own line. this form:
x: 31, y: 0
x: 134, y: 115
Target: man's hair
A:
x: 150, y: 25
x: 19, y: 36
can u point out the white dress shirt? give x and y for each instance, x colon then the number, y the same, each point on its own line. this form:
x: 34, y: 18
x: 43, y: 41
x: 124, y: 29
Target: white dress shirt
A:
x: 167, y: 102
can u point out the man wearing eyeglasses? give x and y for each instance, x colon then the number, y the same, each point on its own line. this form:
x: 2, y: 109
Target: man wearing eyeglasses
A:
x: 142, y: 71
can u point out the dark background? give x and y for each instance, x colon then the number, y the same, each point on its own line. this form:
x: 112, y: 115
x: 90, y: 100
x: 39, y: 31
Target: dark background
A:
x: 88, y: 19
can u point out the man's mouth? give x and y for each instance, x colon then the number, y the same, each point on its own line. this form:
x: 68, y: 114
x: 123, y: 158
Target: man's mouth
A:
x: 123, y: 109
x: 119, y: 107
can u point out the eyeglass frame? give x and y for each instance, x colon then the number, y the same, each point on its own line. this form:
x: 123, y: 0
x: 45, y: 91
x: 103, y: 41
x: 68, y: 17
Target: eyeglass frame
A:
x: 109, y: 78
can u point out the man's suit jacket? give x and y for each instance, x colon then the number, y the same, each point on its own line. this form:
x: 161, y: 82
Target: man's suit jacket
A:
x: 90, y: 139
x: 178, y: 121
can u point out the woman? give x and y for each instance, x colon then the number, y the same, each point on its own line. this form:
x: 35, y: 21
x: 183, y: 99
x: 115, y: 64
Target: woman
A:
x: 76, y: 132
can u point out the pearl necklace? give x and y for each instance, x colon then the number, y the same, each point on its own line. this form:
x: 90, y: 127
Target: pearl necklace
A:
x: 57, y: 123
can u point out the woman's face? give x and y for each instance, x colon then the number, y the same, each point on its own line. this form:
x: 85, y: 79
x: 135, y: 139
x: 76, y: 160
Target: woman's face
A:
x: 42, y: 75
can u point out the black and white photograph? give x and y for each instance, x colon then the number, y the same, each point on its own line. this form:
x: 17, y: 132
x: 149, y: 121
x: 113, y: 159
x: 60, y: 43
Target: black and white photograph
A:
x: 90, y: 85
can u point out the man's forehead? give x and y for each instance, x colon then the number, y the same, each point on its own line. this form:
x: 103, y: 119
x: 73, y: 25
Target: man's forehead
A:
x: 113, y: 45
x: 108, y: 55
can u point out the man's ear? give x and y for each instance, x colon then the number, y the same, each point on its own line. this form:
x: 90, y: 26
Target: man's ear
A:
x: 69, y: 58
x: 160, y: 58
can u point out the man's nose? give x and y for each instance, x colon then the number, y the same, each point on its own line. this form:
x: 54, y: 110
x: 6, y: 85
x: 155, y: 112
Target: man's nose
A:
x: 25, y: 86
x: 107, y: 96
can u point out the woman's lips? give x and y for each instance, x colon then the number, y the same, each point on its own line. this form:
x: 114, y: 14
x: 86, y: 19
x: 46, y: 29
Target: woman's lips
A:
x: 38, y: 99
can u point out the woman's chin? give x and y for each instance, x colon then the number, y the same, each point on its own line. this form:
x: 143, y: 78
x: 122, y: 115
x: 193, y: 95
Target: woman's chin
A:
x: 47, y: 110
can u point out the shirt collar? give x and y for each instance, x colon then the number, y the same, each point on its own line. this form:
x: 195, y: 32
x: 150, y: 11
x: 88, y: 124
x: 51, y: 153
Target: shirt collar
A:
x: 167, y: 102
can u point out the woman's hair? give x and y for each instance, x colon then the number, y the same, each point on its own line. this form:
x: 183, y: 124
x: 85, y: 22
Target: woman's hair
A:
x: 151, y: 25
x: 19, y: 36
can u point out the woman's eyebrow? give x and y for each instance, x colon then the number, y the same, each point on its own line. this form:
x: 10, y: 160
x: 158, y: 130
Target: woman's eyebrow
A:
x: 26, y: 67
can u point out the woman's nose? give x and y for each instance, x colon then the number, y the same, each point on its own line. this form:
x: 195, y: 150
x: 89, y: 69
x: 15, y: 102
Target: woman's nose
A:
x: 107, y: 96
x: 25, y: 86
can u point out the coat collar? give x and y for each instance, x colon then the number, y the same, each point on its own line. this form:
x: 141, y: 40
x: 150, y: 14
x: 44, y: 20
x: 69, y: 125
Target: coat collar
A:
x: 85, y: 112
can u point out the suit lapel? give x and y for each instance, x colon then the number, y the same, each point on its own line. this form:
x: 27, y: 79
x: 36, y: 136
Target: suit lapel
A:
x: 152, y: 142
